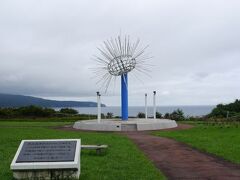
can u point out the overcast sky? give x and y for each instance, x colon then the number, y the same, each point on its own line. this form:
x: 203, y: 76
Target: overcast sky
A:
x: 46, y: 48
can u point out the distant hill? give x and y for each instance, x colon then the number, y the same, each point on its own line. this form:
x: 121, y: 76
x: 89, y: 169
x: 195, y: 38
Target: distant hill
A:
x: 9, y: 100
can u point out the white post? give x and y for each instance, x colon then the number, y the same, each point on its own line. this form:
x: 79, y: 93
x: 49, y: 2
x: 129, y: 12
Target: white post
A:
x: 98, y: 107
x: 154, y: 104
x: 146, y: 114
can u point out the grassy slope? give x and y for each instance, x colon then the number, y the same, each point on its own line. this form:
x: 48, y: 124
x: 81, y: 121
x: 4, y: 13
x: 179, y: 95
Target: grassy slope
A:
x: 122, y: 160
x: 218, y: 140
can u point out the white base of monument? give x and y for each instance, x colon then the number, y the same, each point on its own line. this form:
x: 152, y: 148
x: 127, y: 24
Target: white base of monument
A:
x: 129, y: 125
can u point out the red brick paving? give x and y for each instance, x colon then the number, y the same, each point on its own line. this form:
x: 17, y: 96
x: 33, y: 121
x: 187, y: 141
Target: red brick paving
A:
x: 179, y: 161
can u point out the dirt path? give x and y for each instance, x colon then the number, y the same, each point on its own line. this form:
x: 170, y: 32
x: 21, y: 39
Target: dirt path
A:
x: 179, y: 161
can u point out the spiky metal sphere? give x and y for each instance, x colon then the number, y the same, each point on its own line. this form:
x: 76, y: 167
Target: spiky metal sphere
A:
x: 119, y: 56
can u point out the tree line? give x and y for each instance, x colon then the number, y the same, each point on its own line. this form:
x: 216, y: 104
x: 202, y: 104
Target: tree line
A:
x: 231, y: 110
x: 35, y: 111
x: 226, y: 110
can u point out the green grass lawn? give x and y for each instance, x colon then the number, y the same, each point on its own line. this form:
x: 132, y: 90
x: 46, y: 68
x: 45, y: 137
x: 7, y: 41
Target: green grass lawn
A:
x: 121, y: 161
x: 221, y: 140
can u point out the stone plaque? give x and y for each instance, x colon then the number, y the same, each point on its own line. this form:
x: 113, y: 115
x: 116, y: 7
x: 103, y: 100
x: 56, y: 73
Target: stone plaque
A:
x: 47, y: 151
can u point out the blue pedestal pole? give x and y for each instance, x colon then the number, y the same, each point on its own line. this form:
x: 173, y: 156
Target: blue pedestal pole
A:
x: 124, y: 89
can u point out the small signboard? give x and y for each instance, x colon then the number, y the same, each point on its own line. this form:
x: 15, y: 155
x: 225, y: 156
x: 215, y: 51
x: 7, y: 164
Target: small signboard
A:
x: 52, y: 155
x: 47, y: 151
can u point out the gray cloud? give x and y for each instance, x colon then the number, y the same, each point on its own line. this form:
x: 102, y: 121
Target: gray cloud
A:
x: 46, y: 48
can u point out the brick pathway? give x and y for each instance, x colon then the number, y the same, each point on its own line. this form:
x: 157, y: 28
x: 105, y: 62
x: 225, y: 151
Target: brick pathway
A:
x: 179, y: 161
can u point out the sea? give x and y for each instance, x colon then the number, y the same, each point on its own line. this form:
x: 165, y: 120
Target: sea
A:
x: 134, y: 110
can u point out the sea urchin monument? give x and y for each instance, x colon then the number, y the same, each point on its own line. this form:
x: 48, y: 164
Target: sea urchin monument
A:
x: 119, y: 56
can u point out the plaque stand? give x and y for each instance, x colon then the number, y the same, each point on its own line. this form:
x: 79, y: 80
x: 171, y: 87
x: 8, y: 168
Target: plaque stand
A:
x: 47, y: 159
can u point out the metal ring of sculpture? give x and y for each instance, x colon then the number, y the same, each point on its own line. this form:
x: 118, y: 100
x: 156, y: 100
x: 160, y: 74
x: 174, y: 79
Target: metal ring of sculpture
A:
x: 121, y: 65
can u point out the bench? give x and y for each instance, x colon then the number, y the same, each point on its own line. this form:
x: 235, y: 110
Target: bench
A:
x: 98, y: 148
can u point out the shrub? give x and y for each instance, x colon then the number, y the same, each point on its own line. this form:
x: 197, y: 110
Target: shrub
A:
x: 177, y: 115
x: 141, y: 115
x: 68, y: 111
x: 7, y: 112
x: 35, y: 111
x: 158, y: 115
x: 167, y: 116
x: 109, y: 115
